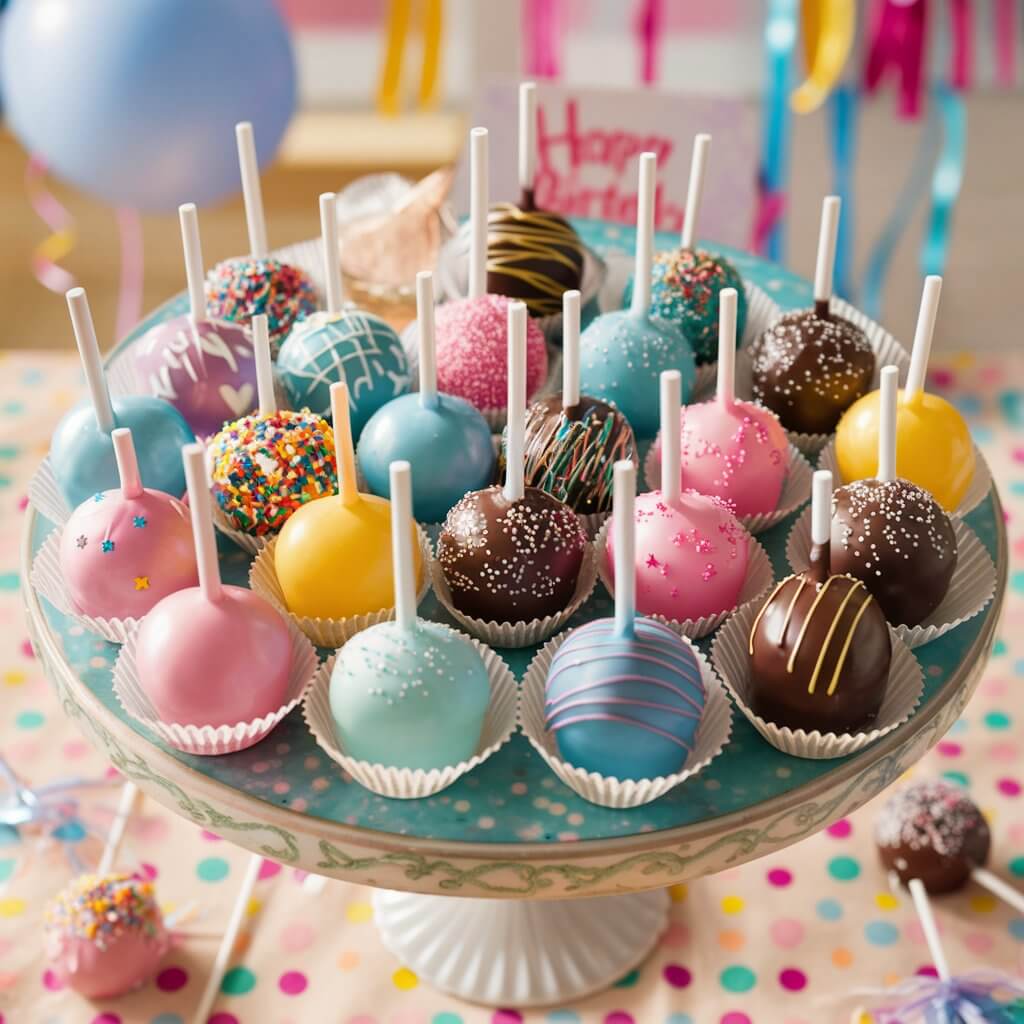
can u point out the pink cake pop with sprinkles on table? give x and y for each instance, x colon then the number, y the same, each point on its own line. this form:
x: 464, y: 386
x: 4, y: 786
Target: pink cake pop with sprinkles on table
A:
x: 471, y: 334
x: 729, y: 449
x: 691, y: 551
x: 212, y: 654
x: 124, y: 550
x: 238, y: 288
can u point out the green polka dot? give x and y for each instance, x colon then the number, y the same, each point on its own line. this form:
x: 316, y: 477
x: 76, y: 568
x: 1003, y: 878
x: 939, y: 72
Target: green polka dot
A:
x: 843, y: 869
x: 6, y: 870
x: 1017, y: 867
x: 9, y: 451
x: 212, y: 869
x: 957, y: 778
x: 628, y: 980
x: 999, y: 648
x: 5, y: 481
x: 238, y: 981
x: 737, y: 979
x: 1017, y: 581
x: 446, y: 1018
x: 8, y: 581
x: 30, y: 720
x: 997, y: 720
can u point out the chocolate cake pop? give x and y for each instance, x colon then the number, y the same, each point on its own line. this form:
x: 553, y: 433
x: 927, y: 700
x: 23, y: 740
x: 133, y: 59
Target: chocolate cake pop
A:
x: 532, y: 254
x: 512, y: 554
x: 932, y: 830
x: 891, y: 534
x: 237, y: 289
x: 811, y: 365
x: 819, y: 647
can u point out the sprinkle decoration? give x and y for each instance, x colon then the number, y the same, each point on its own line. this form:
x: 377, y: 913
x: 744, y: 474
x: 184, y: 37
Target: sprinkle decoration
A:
x: 930, y: 815
x: 265, y: 467
x: 102, y: 908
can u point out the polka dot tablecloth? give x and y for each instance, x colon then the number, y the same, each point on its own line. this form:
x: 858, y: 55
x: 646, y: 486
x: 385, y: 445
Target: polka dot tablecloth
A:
x: 775, y: 942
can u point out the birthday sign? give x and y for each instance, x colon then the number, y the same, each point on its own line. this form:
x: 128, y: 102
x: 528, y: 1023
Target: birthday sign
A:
x: 589, y: 142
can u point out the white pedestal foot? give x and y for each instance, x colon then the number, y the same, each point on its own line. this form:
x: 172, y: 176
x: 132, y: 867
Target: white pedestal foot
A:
x: 516, y: 952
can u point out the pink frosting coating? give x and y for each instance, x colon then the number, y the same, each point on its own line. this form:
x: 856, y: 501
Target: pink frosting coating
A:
x: 691, y: 559
x: 127, y: 963
x: 119, y: 556
x: 214, y: 663
x: 739, y: 453
x: 472, y: 351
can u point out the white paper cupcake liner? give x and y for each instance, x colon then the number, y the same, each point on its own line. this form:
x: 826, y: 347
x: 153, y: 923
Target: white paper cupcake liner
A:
x: 712, y: 736
x: 409, y: 783
x: 970, y: 590
x: 45, y: 497
x: 903, y: 694
x: 48, y: 581
x: 121, y: 376
x: 760, y: 577
x: 518, y: 634
x: 795, y: 491
x: 208, y: 740
x: 327, y: 632
x: 977, y: 489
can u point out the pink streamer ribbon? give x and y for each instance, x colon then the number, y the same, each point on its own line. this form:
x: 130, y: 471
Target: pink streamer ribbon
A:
x: 542, y: 37
x: 770, y: 208
x: 648, y: 26
x: 129, y: 300
x: 962, y: 31
x: 1006, y: 42
x: 897, y: 41
x: 45, y: 268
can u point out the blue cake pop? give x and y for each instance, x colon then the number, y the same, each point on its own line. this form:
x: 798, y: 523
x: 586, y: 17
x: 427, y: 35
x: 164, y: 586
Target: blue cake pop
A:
x: 623, y: 354
x: 446, y: 438
x: 82, y: 450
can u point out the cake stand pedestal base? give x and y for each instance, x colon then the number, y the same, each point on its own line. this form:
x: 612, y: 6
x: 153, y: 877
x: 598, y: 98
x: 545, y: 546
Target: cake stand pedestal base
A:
x: 520, y: 953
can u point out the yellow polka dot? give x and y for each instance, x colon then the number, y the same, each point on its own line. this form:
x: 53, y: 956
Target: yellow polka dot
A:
x: 963, y: 360
x: 348, y: 960
x: 863, y: 1018
x: 989, y: 814
x: 14, y: 677
x: 842, y: 957
x: 983, y: 903
x: 11, y: 907
x: 254, y: 907
x: 404, y: 979
x: 732, y: 905
x: 677, y: 892
x: 886, y: 901
x: 357, y: 913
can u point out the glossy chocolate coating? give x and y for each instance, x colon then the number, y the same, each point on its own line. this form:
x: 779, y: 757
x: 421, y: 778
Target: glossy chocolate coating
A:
x: 933, y: 831
x: 809, y: 367
x: 893, y: 536
x: 511, y: 561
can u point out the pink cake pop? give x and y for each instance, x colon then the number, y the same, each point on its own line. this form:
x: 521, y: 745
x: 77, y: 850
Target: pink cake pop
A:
x: 732, y: 450
x: 213, y: 654
x: 471, y: 334
x: 691, y: 551
x: 124, y: 550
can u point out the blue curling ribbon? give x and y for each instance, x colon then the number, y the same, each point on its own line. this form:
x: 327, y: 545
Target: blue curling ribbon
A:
x: 843, y: 109
x: 946, y: 180
x: 977, y: 997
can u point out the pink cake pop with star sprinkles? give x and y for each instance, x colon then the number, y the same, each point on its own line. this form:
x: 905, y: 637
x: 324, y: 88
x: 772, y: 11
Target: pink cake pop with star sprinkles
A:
x: 729, y: 449
x: 124, y: 550
x: 691, y: 551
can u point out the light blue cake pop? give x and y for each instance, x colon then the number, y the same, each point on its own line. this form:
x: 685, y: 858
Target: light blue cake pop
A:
x: 409, y: 697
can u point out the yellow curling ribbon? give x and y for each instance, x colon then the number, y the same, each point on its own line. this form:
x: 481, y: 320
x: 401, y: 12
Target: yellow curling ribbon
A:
x: 432, y: 25
x: 48, y: 254
x: 389, y: 90
x: 829, y: 27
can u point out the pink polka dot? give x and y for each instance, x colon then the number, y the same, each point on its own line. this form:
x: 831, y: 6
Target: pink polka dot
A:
x: 268, y: 869
x: 735, y: 1017
x: 361, y: 1019
x: 926, y: 971
x: 170, y: 979
x: 149, y: 872
x: 227, y: 1018
x: 507, y: 1017
x: 840, y: 829
x: 26, y: 649
x: 297, y: 937
x: 106, y: 1018
x: 979, y: 942
x: 994, y: 687
x: 941, y: 378
x: 151, y: 828
x: 300, y: 804
x: 282, y: 787
x: 292, y: 983
x: 1018, y: 454
x: 1008, y: 787
x: 675, y: 935
x: 210, y: 837
x: 677, y: 975
x: 618, y: 1017
x: 1016, y: 831
x: 1003, y: 751
x: 75, y: 749
x: 787, y: 932
x: 259, y: 767
x: 780, y: 877
x: 792, y: 980
x: 949, y: 749
x: 51, y: 982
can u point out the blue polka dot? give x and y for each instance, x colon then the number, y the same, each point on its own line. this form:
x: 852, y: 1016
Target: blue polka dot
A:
x: 679, y: 1018
x: 212, y: 869
x: 563, y: 1017
x: 70, y: 832
x: 9, y: 835
x: 1017, y: 581
x: 881, y: 933
x: 13, y: 408
x: 1011, y: 405
x: 6, y: 869
x: 969, y: 405
x: 167, y: 1018
x: 30, y: 720
x: 981, y: 434
x: 8, y: 581
x: 829, y: 910
x: 1016, y: 927
x: 958, y: 727
x: 1016, y: 489
x: 30, y: 378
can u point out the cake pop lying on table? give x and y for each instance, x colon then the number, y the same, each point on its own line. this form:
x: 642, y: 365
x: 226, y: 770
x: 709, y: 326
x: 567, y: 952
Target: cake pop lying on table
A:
x: 205, y: 368
x: 688, y: 281
x: 237, y: 289
x: 82, y: 451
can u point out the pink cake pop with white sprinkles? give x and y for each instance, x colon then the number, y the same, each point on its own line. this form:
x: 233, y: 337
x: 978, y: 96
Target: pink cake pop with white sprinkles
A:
x: 471, y: 334
x: 124, y: 550
x: 691, y: 551
x: 729, y: 449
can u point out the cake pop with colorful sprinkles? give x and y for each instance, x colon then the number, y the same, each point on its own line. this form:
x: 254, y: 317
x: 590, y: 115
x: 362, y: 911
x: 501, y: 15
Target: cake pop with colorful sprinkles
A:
x: 104, y: 935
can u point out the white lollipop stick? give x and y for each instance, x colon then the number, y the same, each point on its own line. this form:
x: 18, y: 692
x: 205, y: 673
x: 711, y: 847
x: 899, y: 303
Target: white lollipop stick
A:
x: 252, y: 193
x: 998, y: 887
x: 931, y: 932
x: 227, y: 943
x: 127, y: 462
x: 828, y: 232
x: 727, y: 299
x: 821, y: 507
x: 515, y: 484
x: 188, y: 217
x: 264, y: 367
x: 671, y: 403
x: 331, y: 255
x: 194, y: 457
x: 888, y: 388
x: 923, y: 336
x: 644, y: 235
x: 698, y: 171
x: 527, y: 135
x: 428, y: 350
x: 344, y: 450
x: 623, y: 505
x: 89, y: 353
x: 478, y: 187
x: 401, y: 544
x: 570, y: 349
x: 125, y: 809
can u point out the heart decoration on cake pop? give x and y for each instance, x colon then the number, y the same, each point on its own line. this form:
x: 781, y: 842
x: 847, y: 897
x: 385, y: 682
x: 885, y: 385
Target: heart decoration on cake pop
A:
x: 623, y: 353
x: 205, y: 368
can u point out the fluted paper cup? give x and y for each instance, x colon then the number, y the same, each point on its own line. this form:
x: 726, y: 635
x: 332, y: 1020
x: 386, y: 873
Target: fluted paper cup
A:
x: 45, y: 497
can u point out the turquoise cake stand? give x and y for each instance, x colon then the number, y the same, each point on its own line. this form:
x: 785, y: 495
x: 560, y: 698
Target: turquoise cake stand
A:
x: 499, y: 889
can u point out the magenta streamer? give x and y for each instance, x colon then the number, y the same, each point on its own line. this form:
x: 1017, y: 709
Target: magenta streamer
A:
x: 1006, y: 42
x: 648, y: 25
x: 542, y: 37
x: 961, y: 73
x: 897, y: 42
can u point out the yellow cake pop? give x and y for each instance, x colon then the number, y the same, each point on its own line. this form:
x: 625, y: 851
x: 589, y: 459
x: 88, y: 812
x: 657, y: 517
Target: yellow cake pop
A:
x: 933, y: 445
x: 333, y: 556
